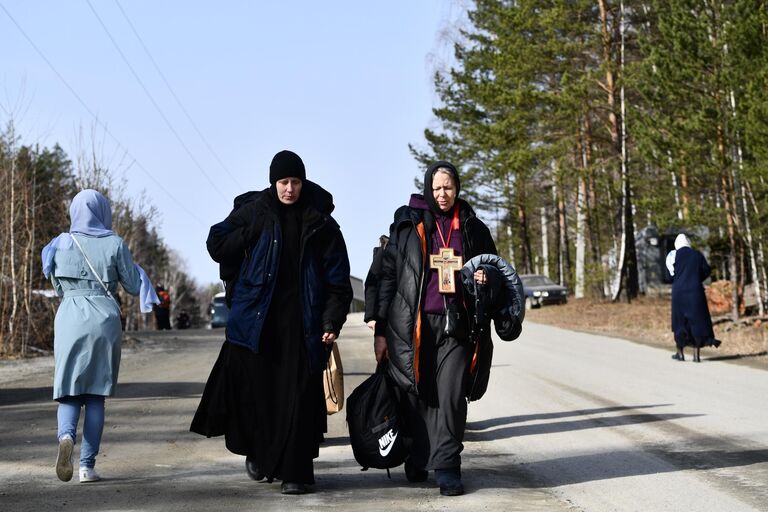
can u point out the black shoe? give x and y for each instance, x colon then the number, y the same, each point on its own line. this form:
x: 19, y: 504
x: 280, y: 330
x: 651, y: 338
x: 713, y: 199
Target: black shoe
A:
x: 293, y: 488
x: 253, y: 469
x: 449, y: 481
x: 678, y: 357
x: 414, y: 474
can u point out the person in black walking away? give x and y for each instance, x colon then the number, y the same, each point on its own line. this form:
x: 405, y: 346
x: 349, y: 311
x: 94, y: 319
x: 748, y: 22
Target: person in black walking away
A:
x: 182, y: 320
x: 163, y: 310
x: 691, y: 322
x: 286, y: 269
x: 422, y: 324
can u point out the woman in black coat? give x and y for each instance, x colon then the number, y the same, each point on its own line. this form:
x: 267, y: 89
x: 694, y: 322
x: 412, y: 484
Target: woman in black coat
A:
x: 285, y: 263
x: 691, y: 321
x: 422, y: 324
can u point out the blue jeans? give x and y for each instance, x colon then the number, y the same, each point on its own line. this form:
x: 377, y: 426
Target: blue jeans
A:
x: 93, y: 424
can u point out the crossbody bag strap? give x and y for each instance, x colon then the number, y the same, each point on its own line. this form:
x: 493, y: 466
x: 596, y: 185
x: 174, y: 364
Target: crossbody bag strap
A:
x: 93, y: 270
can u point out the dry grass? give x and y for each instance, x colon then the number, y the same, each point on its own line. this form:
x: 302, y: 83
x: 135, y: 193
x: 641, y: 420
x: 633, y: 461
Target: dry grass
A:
x: 647, y: 321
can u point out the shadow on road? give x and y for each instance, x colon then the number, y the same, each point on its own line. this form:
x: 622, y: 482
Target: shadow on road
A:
x: 602, y: 466
x: 734, y: 357
x: 132, y: 390
x: 496, y: 422
x: 479, y: 431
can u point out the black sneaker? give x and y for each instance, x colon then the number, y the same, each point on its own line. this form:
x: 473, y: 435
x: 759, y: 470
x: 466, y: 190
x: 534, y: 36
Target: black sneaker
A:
x: 449, y: 481
x: 293, y: 488
x: 414, y: 474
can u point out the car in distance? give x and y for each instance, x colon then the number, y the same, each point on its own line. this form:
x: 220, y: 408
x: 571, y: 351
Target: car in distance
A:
x: 219, y: 311
x: 540, y: 291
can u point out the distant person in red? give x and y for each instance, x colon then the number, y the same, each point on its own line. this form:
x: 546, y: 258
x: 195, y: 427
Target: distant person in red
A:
x: 163, y: 310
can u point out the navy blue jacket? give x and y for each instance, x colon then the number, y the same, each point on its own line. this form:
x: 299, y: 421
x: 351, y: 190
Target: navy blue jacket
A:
x: 247, y: 246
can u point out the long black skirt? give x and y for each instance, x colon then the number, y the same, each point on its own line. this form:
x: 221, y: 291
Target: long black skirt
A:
x: 267, y: 406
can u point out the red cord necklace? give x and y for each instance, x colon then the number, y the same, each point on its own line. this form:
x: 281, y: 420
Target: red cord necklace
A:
x: 454, y: 225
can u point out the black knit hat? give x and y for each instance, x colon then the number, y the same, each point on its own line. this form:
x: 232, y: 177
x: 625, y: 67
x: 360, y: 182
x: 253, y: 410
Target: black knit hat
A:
x: 286, y: 164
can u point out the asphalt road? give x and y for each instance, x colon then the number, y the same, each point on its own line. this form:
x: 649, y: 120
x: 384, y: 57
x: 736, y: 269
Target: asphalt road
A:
x: 571, y: 421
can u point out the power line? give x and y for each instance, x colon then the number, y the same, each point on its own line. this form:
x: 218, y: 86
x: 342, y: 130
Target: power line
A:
x: 154, y: 103
x: 173, y: 93
x: 96, y: 119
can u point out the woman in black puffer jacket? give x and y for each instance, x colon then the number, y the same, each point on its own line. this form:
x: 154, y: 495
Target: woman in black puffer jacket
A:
x: 424, y: 331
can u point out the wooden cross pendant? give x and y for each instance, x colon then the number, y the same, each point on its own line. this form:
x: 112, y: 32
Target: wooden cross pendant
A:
x: 447, y: 264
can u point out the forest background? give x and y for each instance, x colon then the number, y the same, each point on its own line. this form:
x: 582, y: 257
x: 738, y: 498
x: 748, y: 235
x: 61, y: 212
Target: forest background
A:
x: 583, y: 129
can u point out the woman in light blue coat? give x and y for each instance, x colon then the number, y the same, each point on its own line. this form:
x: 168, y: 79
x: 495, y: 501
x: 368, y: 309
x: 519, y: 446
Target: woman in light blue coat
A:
x: 85, y: 266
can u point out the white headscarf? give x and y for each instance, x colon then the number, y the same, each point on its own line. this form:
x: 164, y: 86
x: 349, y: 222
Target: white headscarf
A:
x: 680, y: 242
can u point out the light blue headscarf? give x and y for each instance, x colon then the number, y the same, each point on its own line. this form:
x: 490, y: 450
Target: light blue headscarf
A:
x: 90, y: 214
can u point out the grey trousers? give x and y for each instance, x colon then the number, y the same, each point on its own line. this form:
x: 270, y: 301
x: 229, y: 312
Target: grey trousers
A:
x: 435, y: 420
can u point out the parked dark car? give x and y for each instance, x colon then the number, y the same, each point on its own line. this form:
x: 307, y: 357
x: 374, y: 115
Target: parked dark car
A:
x: 540, y: 291
x: 219, y: 311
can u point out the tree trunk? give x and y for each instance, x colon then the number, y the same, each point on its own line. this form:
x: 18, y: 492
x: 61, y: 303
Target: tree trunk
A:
x: 558, y: 232
x: 760, y: 250
x: 565, y: 256
x: 747, y: 227
x: 730, y: 224
x: 522, y: 219
x: 12, y: 258
x: 526, y: 239
x: 544, y: 240
x: 28, y: 259
x: 581, y: 209
x: 627, y: 274
x: 510, y: 234
x: 581, y: 193
x: 593, y: 219
x: 675, y: 188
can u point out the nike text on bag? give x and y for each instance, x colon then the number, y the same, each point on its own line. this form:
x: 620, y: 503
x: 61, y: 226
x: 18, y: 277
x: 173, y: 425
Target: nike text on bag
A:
x: 333, y: 382
x: 374, y: 424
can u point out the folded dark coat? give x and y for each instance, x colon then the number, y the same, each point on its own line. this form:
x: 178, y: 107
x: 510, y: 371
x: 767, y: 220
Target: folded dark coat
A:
x: 501, y: 298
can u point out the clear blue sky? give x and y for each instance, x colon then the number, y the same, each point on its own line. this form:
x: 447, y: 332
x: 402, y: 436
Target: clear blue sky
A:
x: 345, y: 84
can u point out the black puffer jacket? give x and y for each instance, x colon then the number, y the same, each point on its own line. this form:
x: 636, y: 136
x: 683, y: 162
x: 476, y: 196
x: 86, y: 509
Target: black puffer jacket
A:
x: 402, y: 283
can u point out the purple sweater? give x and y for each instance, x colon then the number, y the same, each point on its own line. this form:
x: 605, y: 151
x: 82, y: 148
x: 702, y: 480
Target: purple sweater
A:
x: 433, y: 299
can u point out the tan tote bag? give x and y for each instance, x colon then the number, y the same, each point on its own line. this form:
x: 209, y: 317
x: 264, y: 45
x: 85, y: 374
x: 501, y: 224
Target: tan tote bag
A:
x: 333, y: 382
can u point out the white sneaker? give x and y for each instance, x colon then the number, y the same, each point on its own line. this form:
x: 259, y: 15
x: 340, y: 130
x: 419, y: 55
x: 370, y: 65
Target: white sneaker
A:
x: 89, y: 475
x: 64, y: 458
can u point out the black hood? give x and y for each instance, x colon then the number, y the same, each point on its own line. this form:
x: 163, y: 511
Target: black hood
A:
x: 428, y: 183
x: 317, y: 197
